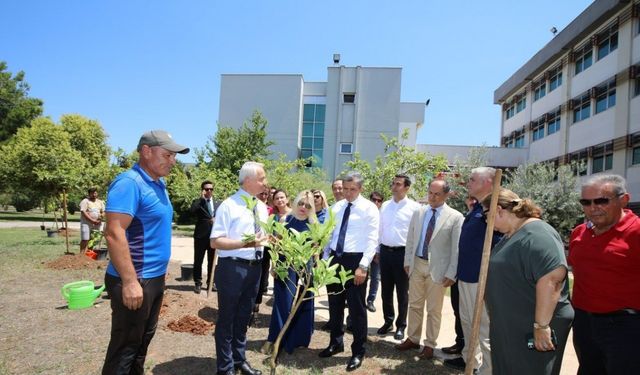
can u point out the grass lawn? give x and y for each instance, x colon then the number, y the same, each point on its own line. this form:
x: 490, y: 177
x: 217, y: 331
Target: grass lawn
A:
x: 36, y: 215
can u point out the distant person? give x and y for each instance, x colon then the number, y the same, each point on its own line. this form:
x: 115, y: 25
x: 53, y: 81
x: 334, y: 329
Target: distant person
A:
x: 91, y: 215
x: 204, y: 209
x: 321, y: 204
x: 138, y: 233
x: 604, y: 254
x: 527, y: 291
x: 238, y: 270
x: 374, y: 269
x: 431, y: 261
x: 336, y: 189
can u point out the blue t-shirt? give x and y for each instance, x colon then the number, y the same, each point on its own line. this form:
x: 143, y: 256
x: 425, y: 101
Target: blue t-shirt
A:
x: 136, y: 194
x: 471, y: 243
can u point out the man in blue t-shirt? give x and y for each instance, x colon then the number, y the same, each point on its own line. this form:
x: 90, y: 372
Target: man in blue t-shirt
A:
x: 138, y: 234
x: 470, y: 247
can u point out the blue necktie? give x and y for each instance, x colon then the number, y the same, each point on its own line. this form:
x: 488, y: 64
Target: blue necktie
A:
x: 343, y: 231
x: 209, y: 207
x: 427, y: 238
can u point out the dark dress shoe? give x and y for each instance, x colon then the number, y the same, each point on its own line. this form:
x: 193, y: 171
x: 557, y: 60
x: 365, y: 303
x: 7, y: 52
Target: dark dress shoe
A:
x: 331, y: 351
x: 453, y: 349
x: 399, y: 334
x: 228, y: 372
x: 355, y: 362
x: 426, y: 353
x: 371, y: 307
x: 386, y: 328
x: 246, y: 369
x: 196, y: 288
x: 456, y: 363
x: 406, y: 345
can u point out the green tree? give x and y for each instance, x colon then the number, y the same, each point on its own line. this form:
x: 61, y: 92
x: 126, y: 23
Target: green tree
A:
x: 230, y: 148
x: 554, y: 189
x: 459, y: 175
x: 398, y: 159
x: 17, y: 109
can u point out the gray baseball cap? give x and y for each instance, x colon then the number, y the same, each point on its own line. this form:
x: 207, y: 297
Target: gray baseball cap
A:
x: 163, y: 139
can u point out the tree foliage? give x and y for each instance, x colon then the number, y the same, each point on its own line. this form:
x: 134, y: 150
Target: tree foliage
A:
x: 17, y: 109
x: 554, y: 189
x: 459, y: 175
x: 398, y: 159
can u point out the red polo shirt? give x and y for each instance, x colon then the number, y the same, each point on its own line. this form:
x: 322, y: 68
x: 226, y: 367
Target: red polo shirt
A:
x: 606, y: 267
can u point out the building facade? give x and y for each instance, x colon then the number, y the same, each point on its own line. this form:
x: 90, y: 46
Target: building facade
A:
x: 578, y: 98
x: 329, y: 121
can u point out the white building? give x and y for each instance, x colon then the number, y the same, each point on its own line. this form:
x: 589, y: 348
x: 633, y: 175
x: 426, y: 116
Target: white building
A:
x: 578, y: 98
x: 327, y: 120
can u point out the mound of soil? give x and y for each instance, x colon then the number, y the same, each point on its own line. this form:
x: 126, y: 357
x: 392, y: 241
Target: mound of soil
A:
x: 191, y: 324
x: 75, y: 262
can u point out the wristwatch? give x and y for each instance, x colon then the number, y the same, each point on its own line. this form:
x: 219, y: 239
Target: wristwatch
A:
x: 536, y: 325
x: 365, y: 269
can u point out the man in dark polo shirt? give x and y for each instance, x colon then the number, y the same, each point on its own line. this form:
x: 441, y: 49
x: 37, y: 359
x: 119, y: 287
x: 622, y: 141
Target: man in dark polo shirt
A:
x: 469, y: 259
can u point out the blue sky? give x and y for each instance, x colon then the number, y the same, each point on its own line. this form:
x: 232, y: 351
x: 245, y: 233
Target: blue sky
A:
x: 141, y: 65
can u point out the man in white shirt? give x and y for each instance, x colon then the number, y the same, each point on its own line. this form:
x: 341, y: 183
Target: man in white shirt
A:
x: 352, y: 246
x: 431, y: 261
x: 238, y: 270
x: 395, y: 215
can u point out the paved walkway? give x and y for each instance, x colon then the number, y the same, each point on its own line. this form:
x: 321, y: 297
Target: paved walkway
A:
x: 182, y: 251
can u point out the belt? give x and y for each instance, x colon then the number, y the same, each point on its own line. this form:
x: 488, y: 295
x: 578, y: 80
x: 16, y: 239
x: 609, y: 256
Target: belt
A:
x: 620, y: 312
x: 250, y: 262
x: 344, y: 255
x: 392, y: 248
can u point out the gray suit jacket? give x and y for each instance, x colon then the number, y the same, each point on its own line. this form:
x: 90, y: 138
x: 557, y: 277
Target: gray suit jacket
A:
x: 443, y: 248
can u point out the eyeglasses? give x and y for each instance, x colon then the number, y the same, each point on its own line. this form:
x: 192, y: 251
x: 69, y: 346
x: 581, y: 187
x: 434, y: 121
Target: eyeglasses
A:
x: 306, y: 205
x: 376, y: 200
x: 263, y: 194
x: 208, y: 189
x: 317, y: 196
x: 602, y: 201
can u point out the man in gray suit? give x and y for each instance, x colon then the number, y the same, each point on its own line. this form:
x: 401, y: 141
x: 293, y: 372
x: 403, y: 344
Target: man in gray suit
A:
x: 431, y: 261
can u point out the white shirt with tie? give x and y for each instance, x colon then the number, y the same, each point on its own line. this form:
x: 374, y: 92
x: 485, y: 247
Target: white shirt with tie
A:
x: 362, y: 228
x: 425, y: 225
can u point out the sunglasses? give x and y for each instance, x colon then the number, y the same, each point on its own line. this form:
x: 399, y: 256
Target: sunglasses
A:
x: 317, y: 196
x: 306, y: 205
x: 208, y: 189
x: 602, y: 201
x: 376, y: 200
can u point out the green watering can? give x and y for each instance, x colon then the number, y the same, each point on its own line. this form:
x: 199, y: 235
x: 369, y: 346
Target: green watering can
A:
x: 80, y: 294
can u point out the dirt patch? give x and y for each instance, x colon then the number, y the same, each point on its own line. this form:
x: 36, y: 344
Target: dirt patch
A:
x: 75, y: 262
x: 191, y: 324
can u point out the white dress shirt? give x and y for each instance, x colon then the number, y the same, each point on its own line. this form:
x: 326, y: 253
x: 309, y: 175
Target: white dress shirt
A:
x: 394, y: 221
x: 362, y: 228
x: 233, y: 220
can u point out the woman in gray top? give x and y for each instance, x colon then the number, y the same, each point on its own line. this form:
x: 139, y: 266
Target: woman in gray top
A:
x: 527, y: 293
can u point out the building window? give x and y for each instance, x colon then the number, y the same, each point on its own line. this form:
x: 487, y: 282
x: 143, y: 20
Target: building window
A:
x: 636, y: 89
x: 346, y: 148
x: 555, y: 79
x: 511, y: 110
x: 584, y: 58
x: 635, y: 156
x: 582, y: 108
x: 509, y: 143
x: 553, y: 122
x: 521, y: 104
x: 602, y: 158
x: 312, y: 144
x: 579, y: 163
x: 540, y: 91
x: 537, y: 129
x: 519, y: 143
x: 349, y: 98
x: 607, y: 42
x: 605, y: 96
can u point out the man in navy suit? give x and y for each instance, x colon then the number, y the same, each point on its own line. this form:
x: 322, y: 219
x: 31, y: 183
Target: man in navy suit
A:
x: 204, y: 208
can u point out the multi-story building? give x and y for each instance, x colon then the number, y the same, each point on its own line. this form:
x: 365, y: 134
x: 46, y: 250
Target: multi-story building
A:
x: 578, y: 98
x: 327, y: 120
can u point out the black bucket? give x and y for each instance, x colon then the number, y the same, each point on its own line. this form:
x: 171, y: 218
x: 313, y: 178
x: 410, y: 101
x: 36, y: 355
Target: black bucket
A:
x: 102, y: 253
x: 186, y: 272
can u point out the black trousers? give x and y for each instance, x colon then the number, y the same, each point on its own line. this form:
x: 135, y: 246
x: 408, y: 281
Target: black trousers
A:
x: 608, y: 345
x: 131, y: 330
x: 455, y: 304
x: 202, y: 246
x: 354, y: 296
x: 237, y: 284
x: 393, y: 276
x: 264, y: 275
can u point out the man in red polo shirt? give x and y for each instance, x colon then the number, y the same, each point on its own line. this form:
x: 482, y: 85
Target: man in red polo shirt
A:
x: 605, y: 255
